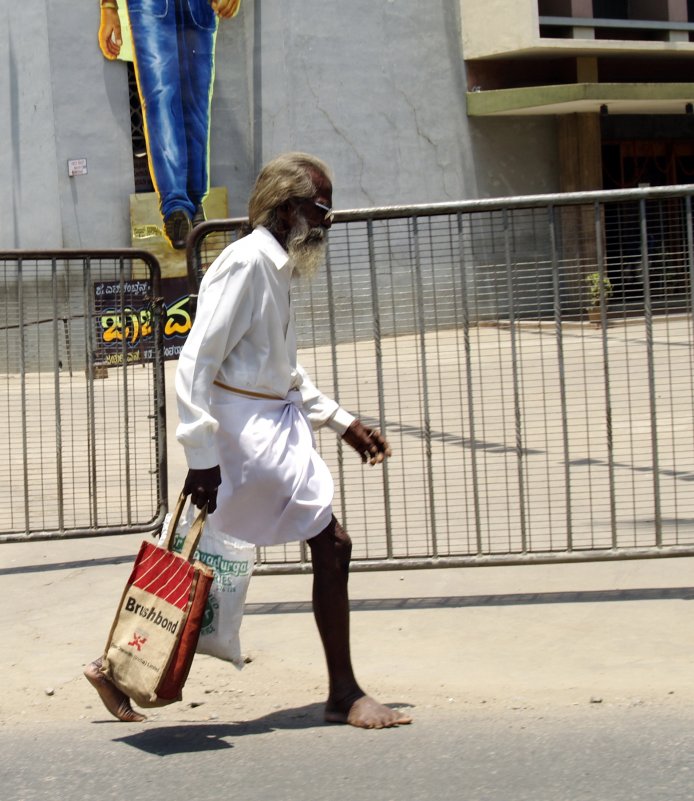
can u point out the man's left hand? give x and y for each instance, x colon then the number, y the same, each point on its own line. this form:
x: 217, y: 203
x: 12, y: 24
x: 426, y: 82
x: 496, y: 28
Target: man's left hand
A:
x: 367, y: 442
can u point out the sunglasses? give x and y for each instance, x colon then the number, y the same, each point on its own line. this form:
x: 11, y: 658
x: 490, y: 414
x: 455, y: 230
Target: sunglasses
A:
x: 327, y: 211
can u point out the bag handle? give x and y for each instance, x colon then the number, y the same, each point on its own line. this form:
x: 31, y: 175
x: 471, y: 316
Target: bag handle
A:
x: 194, y: 534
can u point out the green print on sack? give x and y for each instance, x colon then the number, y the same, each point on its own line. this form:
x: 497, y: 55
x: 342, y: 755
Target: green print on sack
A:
x: 209, y: 616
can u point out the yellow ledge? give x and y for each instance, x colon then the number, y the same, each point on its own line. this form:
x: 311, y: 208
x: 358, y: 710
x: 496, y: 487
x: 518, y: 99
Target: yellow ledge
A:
x: 618, y: 98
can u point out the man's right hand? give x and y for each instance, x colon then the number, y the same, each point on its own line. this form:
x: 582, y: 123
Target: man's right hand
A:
x: 110, y: 38
x: 202, y: 485
x: 226, y: 8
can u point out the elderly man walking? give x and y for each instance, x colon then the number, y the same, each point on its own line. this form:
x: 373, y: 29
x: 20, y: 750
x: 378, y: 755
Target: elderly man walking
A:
x: 247, y: 412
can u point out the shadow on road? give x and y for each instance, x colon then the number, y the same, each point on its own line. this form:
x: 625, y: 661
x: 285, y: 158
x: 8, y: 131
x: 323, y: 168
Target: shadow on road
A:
x: 189, y: 738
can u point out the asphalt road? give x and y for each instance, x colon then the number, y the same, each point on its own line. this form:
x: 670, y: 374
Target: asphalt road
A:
x: 593, y: 751
x: 541, y: 683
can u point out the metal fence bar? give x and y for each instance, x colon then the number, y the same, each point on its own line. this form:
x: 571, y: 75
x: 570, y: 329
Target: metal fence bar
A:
x: 23, y: 394
x: 523, y: 431
x: 470, y: 393
x: 689, y: 227
x: 651, y: 375
x: 158, y: 411
x: 85, y: 418
x: 336, y: 377
x: 609, y: 434
x: 424, y: 378
x: 558, y: 332
x: 375, y: 310
x: 126, y: 317
x: 526, y: 431
x: 517, y: 413
x: 90, y: 348
x: 57, y: 403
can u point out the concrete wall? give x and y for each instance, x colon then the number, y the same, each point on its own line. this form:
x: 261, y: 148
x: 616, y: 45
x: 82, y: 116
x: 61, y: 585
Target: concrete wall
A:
x: 27, y: 154
x: 65, y: 102
x: 377, y: 89
x: 514, y: 155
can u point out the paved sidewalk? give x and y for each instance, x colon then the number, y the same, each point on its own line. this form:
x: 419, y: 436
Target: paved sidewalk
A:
x: 533, y: 636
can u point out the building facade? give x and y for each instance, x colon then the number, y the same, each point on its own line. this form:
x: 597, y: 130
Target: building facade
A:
x: 616, y: 75
x: 409, y: 102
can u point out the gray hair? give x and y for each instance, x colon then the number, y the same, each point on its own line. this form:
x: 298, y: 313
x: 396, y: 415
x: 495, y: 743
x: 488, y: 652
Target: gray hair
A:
x: 286, y: 176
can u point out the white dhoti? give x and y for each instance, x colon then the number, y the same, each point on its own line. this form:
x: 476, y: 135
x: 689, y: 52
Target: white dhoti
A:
x: 275, y: 486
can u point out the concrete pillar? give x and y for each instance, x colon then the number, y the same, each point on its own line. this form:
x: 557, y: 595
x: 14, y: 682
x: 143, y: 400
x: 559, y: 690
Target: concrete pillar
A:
x: 587, y: 69
x: 580, y: 160
x: 580, y: 154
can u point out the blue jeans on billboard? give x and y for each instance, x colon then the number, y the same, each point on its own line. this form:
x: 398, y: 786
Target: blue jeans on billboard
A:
x: 174, y: 51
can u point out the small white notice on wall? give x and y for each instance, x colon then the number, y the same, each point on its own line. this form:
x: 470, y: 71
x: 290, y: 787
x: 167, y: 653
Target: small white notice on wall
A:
x: 77, y: 167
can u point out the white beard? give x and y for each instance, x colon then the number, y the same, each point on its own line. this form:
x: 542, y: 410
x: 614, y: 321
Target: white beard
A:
x: 306, y: 247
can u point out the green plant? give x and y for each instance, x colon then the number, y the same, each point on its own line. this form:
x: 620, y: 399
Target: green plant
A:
x: 593, y: 281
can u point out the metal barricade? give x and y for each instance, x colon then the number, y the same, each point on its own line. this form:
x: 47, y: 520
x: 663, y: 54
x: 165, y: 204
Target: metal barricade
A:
x: 82, y: 379
x: 529, y: 360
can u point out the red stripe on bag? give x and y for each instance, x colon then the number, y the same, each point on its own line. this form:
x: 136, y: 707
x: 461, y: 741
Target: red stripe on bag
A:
x: 163, y: 574
x: 177, y: 589
x: 168, y: 575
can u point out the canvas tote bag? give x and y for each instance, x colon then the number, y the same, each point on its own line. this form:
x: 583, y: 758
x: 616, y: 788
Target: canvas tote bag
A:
x: 154, y: 635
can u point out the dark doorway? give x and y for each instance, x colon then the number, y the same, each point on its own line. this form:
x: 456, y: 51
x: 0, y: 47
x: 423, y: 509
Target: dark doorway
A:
x: 632, y: 163
x: 627, y: 164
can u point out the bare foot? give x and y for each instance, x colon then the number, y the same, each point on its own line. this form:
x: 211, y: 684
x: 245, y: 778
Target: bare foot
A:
x: 367, y: 713
x: 116, y: 701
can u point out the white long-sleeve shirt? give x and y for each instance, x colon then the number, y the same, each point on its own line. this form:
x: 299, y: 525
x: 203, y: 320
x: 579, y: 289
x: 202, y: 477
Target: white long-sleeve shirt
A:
x: 243, y: 336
